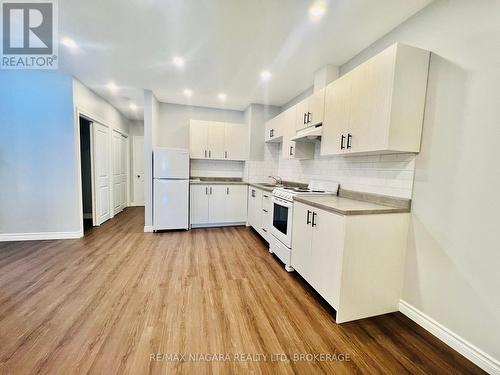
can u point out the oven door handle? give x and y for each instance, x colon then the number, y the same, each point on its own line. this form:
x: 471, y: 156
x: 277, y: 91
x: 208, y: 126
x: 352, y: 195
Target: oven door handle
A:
x: 282, y: 202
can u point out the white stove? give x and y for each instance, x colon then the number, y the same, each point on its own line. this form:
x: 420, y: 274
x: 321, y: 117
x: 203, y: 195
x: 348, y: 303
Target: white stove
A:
x: 315, y: 187
x: 288, y: 193
x: 282, y: 215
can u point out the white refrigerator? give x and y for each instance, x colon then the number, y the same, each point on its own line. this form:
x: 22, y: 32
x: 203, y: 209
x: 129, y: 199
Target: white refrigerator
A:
x: 170, y: 188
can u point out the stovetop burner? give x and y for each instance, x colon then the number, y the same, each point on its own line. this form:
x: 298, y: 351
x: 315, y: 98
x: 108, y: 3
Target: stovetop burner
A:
x: 314, y: 188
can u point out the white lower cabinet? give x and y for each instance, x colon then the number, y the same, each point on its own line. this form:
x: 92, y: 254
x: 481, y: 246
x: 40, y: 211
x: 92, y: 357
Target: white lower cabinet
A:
x: 218, y: 204
x: 199, y: 204
x: 235, y: 206
x: 354, y: 262
x: 259, y: 211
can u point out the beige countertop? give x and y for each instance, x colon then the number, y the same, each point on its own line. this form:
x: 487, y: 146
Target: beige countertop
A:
x: 216, y: 181
x: 346, y: 206
x: 267, y: 188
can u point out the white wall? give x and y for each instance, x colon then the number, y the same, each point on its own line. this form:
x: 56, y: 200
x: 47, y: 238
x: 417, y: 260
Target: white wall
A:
x: 99, y: 109
x: 173, y: 131
x: 256, y: 116
x: 151, y: 124
x: 454, y: 252
x: 136, y: 128
x: 38, y: 179
x: 298, y: 98
x: 173, y: 123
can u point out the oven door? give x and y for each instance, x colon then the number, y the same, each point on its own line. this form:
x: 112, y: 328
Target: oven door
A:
x: 282, y: 221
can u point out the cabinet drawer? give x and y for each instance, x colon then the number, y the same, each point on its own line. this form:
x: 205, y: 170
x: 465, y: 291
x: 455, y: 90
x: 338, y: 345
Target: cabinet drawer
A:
x: 267, y: 204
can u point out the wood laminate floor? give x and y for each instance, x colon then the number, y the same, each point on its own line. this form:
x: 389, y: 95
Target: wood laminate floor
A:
x: 105, y: 303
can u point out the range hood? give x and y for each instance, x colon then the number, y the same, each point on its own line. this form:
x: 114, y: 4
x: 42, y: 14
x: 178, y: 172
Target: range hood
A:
x: 309, y: 134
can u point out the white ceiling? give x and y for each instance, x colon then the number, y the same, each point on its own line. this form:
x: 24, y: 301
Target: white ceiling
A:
x: 226, y: 44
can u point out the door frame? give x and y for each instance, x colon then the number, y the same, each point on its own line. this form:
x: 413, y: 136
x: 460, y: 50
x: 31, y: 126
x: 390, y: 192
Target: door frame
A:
x: 131, y: 171
x: 80, y: 112
x: 127, y: 166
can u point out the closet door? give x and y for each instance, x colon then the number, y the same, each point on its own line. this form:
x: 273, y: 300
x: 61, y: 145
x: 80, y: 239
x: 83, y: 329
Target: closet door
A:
x: 117, y: 171
x: 124, y: 172
x: 101, y: 174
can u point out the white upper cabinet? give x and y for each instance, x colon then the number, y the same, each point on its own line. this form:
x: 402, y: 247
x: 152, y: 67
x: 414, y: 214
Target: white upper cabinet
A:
x: 236, y: 145
x: 291, y: 149
x: 218, y: 140
x: 378, y: 107
x: 336, y: 122
x: 274, y: 130
x: 311, y: 110
x: 198, y: 139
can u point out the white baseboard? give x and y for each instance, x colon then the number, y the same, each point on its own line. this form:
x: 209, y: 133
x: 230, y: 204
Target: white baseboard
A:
x: 136, y: 204
x: 217, y: 225
x: 148, y: 229
x: 468, y: 350
x: 4, y: 237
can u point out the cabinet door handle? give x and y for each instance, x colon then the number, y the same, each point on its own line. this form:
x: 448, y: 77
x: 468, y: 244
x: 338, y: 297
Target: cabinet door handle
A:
x: 265, y: 210
x: 205, y: 153
x: 227, y: 191
x: 305, y: 118
x: 308, y: 217
x: 206, y: 190
x: 210, y: 190
x: 271, y: 133
x: 225, y: 154
x: 264, y: 229
x: 291, y: 150
x: 209, y: 153
x: 342, y: 142
x: 314, y: 219
x: 349, y: 138
x: 309, y: 114
x: 253, y: 193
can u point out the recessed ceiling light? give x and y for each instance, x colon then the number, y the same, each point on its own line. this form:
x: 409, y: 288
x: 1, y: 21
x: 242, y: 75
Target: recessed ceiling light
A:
x: 70, y: 43
x: 188, y: 92
x: 133, y: 106
x: 265, y: 75
x: 112, y: 87
x: 222, y: 97
x: 178, y: 61
x: 317, y: 10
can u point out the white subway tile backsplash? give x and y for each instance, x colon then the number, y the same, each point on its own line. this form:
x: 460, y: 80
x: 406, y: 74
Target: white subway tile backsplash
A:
x: 380, y: 174
x: 217, y: 168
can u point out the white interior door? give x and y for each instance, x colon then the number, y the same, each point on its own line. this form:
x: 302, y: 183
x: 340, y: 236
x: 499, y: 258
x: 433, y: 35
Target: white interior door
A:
x: 117, y: 172
x: 124, y: 172
x: 101, y: 174
x: 138, y: 170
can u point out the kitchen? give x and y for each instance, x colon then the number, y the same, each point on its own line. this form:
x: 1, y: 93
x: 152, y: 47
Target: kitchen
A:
x: 256, y: 203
